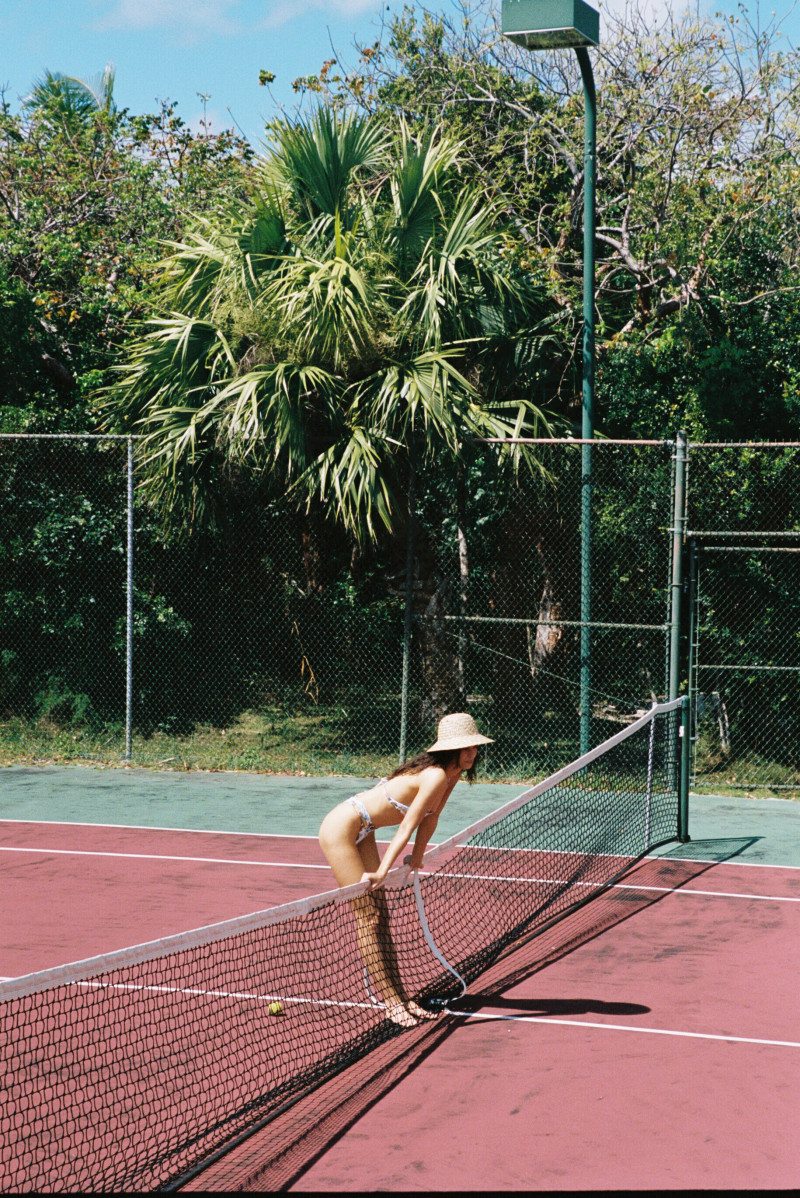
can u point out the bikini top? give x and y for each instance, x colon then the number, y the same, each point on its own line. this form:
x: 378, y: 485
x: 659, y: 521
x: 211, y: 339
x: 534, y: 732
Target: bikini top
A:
x: 398, y: 806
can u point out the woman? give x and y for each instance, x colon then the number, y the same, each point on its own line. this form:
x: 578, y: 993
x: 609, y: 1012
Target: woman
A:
x: 413, y: 798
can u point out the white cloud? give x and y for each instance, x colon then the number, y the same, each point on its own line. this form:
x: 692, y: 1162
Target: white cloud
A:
x: 279, y: 12
x: 191, y: 18
x: 212, y: 122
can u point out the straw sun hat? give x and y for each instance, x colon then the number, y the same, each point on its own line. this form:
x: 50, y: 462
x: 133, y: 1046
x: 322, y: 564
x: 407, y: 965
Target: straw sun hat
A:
x: 458, y: 731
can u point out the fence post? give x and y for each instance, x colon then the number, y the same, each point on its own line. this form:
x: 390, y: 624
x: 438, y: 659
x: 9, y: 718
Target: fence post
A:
x: 129, y: 614
x: 586, y: 600
x: 676, y: 573
x: 408, y: 608
x: 691, y: 668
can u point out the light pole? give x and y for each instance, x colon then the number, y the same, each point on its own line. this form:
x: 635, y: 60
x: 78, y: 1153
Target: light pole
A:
x: 547, y: 25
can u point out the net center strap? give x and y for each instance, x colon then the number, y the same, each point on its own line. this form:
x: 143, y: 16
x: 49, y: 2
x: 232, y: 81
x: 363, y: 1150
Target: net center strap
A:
x: 429, y: 938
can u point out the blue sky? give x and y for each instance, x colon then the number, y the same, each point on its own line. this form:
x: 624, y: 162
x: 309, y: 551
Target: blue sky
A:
x: 179, y: 48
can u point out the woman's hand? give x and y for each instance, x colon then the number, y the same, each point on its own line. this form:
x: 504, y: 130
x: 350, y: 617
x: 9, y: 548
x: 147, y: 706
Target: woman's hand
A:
x: 373, y: 881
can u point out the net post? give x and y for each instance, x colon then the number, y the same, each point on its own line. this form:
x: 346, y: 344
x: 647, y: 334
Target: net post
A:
x: 685, y: 767
x: 650, y: 780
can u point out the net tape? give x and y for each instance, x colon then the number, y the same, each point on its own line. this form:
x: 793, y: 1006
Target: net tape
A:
x: 128, y: 1071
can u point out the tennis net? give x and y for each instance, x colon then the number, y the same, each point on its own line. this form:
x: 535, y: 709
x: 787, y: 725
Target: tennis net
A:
x: 129, y: 1071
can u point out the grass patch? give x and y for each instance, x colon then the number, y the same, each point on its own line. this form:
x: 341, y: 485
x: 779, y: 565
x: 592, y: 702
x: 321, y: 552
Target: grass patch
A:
x: 752, y: 776
x: 359, y: 741
x: 255, y: 743
x: 319, y: 742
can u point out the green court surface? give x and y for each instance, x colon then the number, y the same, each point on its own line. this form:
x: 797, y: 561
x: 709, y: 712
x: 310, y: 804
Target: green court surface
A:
x: 767, y: 831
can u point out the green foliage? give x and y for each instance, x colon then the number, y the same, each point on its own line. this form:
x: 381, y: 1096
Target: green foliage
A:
x: 19, y: 362
x: 306, y: 336
x: 721, y: 376
x: 87, y: 197
x: 356, y: 305
x: 697, y: 208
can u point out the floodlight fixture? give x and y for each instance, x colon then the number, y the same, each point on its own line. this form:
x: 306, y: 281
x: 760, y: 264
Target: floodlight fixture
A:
x: 550, y: 24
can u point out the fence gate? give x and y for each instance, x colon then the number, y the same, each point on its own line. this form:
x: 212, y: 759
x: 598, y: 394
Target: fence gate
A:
x: 744, y: 661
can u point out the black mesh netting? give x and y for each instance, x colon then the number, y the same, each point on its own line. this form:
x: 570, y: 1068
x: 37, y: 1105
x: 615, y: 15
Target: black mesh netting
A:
x: 132, y: 1074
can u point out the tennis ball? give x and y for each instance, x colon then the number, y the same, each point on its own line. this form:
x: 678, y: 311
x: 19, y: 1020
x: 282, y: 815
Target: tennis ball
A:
x: 275, y: 1008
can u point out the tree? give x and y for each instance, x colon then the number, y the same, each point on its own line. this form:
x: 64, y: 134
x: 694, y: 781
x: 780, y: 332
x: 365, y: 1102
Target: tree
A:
x: 88, y: 195
x: 67, y: 103
x: 344, y: 331
x: 698, y: 144
x: 698, y: 307
x: 352, y: 312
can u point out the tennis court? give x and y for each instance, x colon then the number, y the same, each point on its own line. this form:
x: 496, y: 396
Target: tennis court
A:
x: 646, y: 1039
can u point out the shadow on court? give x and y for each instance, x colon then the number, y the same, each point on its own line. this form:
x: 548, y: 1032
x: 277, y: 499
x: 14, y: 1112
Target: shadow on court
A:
x: 715, y: 851
x: 542, y: 1007
x: 277, y: 1156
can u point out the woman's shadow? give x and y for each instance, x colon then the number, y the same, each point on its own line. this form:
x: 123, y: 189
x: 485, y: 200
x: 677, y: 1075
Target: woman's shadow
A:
x: 486, y: 1004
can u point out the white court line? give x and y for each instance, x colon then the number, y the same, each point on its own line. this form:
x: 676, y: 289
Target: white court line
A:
x: 234, y: 994
x: 736, y: 861
x: 624, y: 1027
x: 317, y: 1002
x: 774, y: 898
x: 492, y: 1018
x: 60, y: 823
x: 159, y: 857
x: 308, y: 836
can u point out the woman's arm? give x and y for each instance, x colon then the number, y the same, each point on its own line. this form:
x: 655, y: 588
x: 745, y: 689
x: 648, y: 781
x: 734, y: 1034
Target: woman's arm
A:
x: 424, y: 832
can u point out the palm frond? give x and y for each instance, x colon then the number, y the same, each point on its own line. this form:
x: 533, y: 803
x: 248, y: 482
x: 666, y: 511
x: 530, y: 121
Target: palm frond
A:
x: 317, y: 160
x: 71, y: 101
x: 225, y: 256
x: 351, y: 477
x: 356, y: 303
x: 417, y: 209
x: 329, y: 306
x: 464, y: 265
x: 268, y: 413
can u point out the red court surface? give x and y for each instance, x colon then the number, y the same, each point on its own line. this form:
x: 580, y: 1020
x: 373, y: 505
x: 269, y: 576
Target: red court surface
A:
x: 661, y: 1052
x: 72, y: 891
x: 701, y: 1090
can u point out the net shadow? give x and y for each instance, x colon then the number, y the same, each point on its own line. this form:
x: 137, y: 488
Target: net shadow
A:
x: 276, y: 1158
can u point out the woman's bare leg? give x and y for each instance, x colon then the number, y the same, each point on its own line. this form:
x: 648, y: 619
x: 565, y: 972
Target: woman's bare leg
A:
x: 382, y: 934
x: 349, y: 862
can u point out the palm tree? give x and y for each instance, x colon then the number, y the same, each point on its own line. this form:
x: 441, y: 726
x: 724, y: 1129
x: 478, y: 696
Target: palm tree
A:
x: 70, y: 103
x: 345, y: 321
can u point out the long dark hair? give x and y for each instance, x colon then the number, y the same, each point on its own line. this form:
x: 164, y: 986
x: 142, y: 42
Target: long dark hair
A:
x: 441, y: 757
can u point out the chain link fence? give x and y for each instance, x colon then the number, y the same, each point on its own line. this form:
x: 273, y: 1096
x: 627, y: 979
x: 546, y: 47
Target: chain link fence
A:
x: 744, y: 574
x: 500, y: 633
x: 263, y: 644
x: 64, y: 555
x: 273, y: 642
